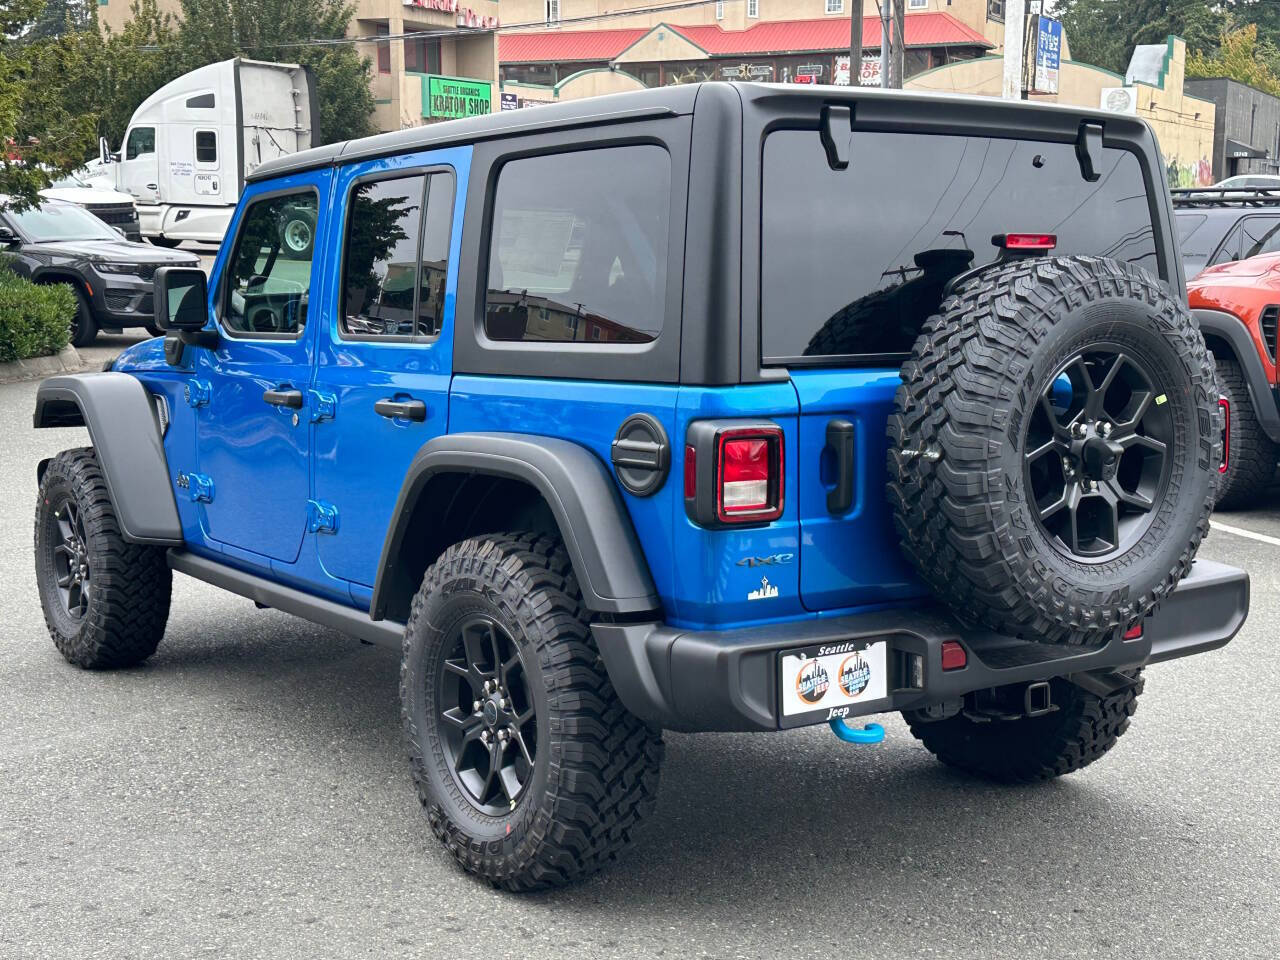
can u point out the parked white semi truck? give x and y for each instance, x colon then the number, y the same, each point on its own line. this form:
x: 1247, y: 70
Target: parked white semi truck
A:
x: 190, y: 145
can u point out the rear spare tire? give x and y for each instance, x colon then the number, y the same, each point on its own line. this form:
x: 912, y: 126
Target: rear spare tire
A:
x: 1053, y: 445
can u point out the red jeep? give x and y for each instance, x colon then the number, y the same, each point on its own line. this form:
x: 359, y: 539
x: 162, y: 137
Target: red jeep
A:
x: 1238, y: 305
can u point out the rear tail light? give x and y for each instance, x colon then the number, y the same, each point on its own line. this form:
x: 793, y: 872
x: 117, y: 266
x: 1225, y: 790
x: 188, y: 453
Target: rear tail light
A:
x: 734, y: 472
x: 1134, y: 632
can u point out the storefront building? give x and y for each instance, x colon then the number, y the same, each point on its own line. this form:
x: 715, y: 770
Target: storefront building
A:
x: 796, y: 51
x: 1246, y: 132
x: 415, y: 81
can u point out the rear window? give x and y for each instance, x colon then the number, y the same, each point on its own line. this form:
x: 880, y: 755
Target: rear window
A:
x: 854, y: 261
x: 579, y: 247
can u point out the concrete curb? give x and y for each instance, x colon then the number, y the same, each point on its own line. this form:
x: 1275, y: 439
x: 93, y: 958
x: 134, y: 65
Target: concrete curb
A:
x: 68, y: 361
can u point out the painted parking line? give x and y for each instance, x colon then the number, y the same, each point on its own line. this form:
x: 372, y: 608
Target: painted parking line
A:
x: 1242, y: 532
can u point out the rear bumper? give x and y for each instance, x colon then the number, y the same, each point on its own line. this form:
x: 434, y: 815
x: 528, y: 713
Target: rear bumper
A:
x: 728, y: 680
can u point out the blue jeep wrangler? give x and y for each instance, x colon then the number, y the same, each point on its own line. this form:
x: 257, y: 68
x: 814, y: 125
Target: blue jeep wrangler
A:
x: 714, y: 407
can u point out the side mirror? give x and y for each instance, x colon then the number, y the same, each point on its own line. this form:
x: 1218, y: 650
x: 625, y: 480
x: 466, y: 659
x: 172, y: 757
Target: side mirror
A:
x: 181, y: 298
x: 7, y: 236
x: 104, y: 151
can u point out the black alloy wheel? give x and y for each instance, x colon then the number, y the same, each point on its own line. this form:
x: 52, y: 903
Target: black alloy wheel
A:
x: 70, y: 558
x: 1097, y: 453
x: 489, y: 719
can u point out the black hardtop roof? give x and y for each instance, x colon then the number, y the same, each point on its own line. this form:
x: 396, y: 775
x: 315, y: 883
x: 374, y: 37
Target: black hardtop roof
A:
x: 991, y: 113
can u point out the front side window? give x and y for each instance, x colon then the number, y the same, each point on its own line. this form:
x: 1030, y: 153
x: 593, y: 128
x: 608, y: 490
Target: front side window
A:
x: 578, y: 247
x: 852, y: 270
x: 206, y: 146
x: 396, y: 260
x: 141, y: 140
x: 269, y: 273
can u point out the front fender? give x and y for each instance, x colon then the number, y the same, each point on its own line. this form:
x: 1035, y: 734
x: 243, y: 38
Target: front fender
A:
x: 577, y: 487
x: 117, y: 410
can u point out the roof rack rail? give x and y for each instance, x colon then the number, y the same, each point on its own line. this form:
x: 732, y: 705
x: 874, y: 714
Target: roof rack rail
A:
x: 1224, y: 196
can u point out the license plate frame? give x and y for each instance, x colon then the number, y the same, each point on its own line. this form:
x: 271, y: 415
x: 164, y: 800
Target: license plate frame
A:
x: 844, y: 666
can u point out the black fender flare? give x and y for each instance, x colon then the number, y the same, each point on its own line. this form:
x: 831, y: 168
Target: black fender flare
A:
x: 117, y: 410
x: 1225, y: 326
x: 580, y: 492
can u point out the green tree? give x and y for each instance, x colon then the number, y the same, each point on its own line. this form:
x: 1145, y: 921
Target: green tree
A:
x: 59, y: 17
x: 1104, y: 32
x: 39, y: 134
x: 1242, y: 57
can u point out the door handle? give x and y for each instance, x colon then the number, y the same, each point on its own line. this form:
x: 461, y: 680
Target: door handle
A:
x: 284, y: 398
x: 840, y: 439
x: 414, y: 410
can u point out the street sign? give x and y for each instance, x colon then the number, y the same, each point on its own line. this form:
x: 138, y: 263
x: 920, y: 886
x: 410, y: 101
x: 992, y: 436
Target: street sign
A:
x: 449, y: 98
x: 1048, y: 55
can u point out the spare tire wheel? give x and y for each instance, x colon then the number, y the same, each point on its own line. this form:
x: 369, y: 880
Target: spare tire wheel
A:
x: 1052, y: 447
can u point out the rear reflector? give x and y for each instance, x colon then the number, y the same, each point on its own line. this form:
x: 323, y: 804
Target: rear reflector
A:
x: 1134, y: 632
x: 690, y: 471
x: 953, y: 656
x: 1225, y: 405
x: 1026, y: 241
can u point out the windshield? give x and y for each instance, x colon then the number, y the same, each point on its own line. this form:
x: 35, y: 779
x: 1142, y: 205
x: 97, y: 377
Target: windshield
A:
x: 71, y: 182
x: 61, y: 221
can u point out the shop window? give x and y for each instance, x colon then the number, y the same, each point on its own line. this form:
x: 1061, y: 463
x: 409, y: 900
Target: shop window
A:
x: 553, y: 13
x: 835, y: 6
x: 384, y: 48
x: 753, y: 8
x: 917, y: 4
x: 719, y: 9
x: 995, y: 10
x: 422, y: 55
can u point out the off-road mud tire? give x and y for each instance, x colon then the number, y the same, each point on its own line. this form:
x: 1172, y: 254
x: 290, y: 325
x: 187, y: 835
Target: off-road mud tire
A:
x: 596, y: 765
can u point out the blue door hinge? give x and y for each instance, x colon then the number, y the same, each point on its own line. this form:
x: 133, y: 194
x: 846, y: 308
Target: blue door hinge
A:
x: 324, y: 406
x: 198, y: 393
x: 322, y: 517
x: 198, y: 486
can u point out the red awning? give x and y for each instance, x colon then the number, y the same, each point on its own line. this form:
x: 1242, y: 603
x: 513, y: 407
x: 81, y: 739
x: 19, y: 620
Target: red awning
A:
x: 782, y: 36
x: 562, y: 46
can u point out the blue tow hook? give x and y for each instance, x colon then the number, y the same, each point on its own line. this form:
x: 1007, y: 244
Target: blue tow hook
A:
x: 871, y: 733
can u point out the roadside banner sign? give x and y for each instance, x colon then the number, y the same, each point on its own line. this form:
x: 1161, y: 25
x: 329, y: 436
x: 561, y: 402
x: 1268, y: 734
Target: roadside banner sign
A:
x: 1048, y: 55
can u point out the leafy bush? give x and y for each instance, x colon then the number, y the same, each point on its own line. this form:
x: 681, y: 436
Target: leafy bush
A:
x: 35, y: 320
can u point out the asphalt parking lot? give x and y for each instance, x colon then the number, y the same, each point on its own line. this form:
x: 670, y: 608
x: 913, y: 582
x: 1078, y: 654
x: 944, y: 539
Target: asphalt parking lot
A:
x: 245, y: 795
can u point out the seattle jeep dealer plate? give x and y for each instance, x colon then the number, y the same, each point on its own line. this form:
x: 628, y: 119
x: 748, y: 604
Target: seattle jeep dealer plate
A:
x: 818, y: 683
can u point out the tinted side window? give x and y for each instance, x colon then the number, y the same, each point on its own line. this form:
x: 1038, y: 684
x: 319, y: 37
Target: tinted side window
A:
x: 1260, y: 235
x: 141, y: 140
x: 436, y: 231
x: 578, y: 249
x: 206, y: 146
x: 380, y: 266
x: 269, y: 272
x: 854, y: 261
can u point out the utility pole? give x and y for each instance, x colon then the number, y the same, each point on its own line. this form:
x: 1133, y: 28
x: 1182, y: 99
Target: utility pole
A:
x: 886, y: 41
x: 855, y: 44
x: 1014, y: 42
x: 899, y: 44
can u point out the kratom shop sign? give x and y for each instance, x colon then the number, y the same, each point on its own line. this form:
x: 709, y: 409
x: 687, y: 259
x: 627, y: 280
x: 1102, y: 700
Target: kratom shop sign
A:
x: 449, y: 98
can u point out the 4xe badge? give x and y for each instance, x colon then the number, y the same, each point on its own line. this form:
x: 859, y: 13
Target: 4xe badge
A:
x: 773, y: 560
